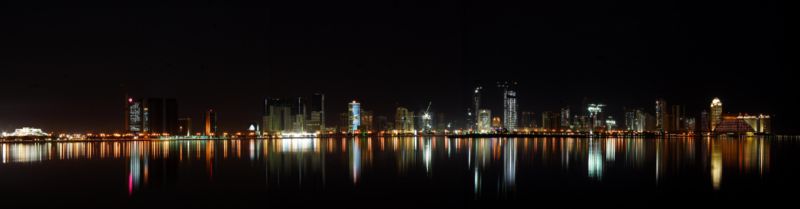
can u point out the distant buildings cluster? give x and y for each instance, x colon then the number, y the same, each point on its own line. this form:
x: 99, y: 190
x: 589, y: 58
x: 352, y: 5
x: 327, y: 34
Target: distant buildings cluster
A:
x: 301, y: 115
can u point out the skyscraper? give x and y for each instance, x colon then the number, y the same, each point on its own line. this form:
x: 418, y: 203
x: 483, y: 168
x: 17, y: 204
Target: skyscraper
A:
x: 527, y: 120
x: 565, y: 123
x: 661, y: 115
x: 354, y: 109
x: 716, y: 113
x: 404, y: 120
x: 278, y: 115
x: 704, y: 122
x: 484, y: 120
x: 316, y: 121
x: 595, y: 115
x: 550, y: 121
x: 152, y: 115
x: 509, y: 105
x: 211, y: 128
x: 476, y: 99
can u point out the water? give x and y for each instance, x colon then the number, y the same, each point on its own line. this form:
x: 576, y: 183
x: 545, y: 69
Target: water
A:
x: 400, y: 172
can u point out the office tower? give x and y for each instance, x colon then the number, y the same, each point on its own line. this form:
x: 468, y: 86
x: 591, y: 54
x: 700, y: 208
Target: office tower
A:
x: 404, y: 120
x: 354, y: 116
x: 211, y: 128
x: 611, y: 124
x: 677, y: 118
x: 595, y: 115
x: 527, y: 120
x: 661, y: 115
x: 509, y: 105
x: 134, y: 115
x: 484, y: 120
x: 630, y: 121
x: 704, y: 122
x: 689, y: 124
x: 581, y: 123
x: 316, y: 121
x: 476, y: 99
x: 565, y: 123
x: 152, y: 115
x: 551, y: 121
x: 298, y: 115
x: 185, y: 127
x: 367, y: 121
x: 716, y: 113
x: 278, y: 115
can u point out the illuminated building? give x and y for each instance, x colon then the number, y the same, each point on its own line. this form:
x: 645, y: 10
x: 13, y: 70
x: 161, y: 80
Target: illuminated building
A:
x: 716, y: 113
x: 704, y: 122
x: 595, y: 115
x: 185, y: 127
x: 298, y: 116
x: 677, y: 117
x: 404, y: 120
x: 277, y: 115
x: 134, y: 115
x: 635, y: 120
x: 581, y: 123
x: 484, y: 120
x: 509, y: 105
x: 26, y: 131
x: 551, y: 121
x: 471, y: 120
x: 211, y: 123
x: 527, y: 120
x: 367, y: 121
x: 476, y: 99
x: 662, y: 121
x: 760, y: 123
x: 497, y: 123
x: 354, y: 110
x: 611, y: 124
x: 316, y: 121
x: 565, y: 123
x: 152, y: 115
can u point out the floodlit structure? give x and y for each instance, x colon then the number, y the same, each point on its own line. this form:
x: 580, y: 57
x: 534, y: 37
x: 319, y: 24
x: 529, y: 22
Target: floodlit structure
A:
x: 26, y: 132
x: 476, y: 99
x: 716, y: 113
x: 211, y: 122
x: 662, y: 121
x: 485, y: 121
x: 509, y: 105
x: 404, y: 120
x: 354, y: 109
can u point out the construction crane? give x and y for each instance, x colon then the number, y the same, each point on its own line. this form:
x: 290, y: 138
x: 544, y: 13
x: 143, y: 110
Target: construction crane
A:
x: 427, y: 119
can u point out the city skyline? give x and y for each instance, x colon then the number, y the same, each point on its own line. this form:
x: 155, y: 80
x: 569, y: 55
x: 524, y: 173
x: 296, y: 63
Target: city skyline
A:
x: 81, y: 60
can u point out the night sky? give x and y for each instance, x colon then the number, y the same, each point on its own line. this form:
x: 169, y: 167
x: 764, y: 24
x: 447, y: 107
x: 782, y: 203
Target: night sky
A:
x: 68, y: 68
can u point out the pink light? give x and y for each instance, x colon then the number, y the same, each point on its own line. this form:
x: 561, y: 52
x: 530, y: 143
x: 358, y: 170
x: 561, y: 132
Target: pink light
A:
x: 130, y: 184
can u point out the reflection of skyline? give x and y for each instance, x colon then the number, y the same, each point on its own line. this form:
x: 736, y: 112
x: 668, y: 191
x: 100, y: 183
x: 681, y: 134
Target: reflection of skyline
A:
x: 489, y: 161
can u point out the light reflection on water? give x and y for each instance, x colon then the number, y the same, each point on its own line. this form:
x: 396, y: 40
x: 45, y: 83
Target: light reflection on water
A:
x: 491, y: 164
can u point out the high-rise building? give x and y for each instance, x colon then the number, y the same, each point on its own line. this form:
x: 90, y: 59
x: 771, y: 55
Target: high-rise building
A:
x: 677, y: 118
x: 185, y: 127
x: 404, y: 120
x: 565, y: 123
x: 476, y: 99
x: 509, y: 105
x: 527, y: 120
x: 484, y: 121
x: 716, y: 113
x: 367, y: 121
x: 471, y: 120
x: 662, y: 119
x: 441, y: 123
x: 152, y: 115
x: 595, y: 115
x: 316, y: 121
x: 134, y: 119
x: 211, y: 128
x: 354, y: 110
x: 551, y: 121
x: 611, y: 124
x: 278, y: 115
x: 298, y: 115
x: 704, y: 122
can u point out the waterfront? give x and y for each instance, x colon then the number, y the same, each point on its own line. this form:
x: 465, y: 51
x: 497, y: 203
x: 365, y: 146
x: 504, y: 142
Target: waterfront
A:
x: 398, y: 172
